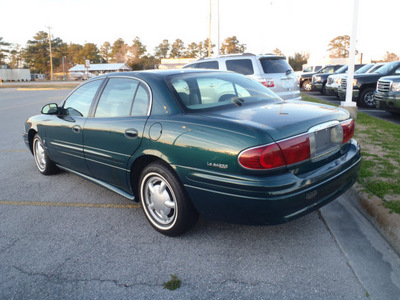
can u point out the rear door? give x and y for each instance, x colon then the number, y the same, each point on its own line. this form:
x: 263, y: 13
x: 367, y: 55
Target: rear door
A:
x: 115, y: 131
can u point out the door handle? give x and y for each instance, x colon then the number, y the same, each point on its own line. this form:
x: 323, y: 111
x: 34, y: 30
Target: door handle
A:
x: 76, y: 129
x: 131, y: 133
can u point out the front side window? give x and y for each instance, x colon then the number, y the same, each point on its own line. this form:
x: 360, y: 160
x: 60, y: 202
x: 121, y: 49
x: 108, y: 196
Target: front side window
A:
x: 117, y: 98
x: 241, y: 66
x: 211, y: 90
x: 78, y: 103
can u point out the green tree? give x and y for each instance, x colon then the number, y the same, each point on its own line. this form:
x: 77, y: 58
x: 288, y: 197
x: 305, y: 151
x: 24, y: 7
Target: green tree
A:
x: 390, y: 57
x: 278, y: 52
x: 203, y: 48
x: 177, y: 49
x: 162, y: 50
x: 298, y: 60
x: 74, y: 53
x: 137, y: 55
x: 3, y: 50
x: 119, y: 51
x: 339, y: 47
x: 231, y: 45
x: 105, y: 51
x: 192, y: 50
x: 37, y: 54
x: 89, y: 51
x: 15, y: 57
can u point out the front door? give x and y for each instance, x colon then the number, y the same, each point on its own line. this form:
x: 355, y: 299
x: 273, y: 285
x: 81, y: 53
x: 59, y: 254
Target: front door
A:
x: 64, y: 133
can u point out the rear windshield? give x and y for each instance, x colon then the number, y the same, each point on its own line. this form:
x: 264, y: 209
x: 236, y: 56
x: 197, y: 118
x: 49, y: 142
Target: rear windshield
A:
x: 274, y: 65
x: 212, y: 90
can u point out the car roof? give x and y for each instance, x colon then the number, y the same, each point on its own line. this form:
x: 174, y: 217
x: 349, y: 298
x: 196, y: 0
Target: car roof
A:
x: 157, y: 74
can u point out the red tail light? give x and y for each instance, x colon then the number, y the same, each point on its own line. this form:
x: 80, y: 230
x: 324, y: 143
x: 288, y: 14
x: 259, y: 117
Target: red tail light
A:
x: 277, y: 155
x: 268, y: 83
x: 348, y: 130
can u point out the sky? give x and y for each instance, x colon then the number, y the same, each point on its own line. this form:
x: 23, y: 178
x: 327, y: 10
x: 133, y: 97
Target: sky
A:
x: 262, y: 25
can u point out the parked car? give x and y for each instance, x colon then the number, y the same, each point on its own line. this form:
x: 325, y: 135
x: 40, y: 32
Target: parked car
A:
x: 305, y: 80
x: 309, y: 69
x: 364, y: 85
x: 335, y: 80
x: 387, y: 94
x: 184, y: 142
x: 270, y: 70
x: 320, y: 80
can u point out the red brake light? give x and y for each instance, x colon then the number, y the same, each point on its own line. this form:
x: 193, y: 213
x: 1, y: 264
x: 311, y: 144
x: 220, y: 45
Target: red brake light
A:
x: 263, y: 157
x: 348, y: 130
x: 296, y: 149
x: 277, y: 155
x: 268, y: 82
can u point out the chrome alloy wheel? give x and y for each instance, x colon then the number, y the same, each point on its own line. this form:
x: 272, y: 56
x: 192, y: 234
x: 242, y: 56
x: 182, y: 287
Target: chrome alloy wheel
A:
x: 39, y: 154
x: 369, y: 99
x: 159, y: 201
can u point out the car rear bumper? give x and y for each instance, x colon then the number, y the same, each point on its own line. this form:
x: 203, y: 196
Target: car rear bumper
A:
x: 270, y: 199
x: 388, y: 101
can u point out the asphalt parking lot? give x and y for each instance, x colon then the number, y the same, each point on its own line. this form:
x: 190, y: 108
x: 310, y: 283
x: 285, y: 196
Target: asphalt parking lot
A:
x: 66, y: 238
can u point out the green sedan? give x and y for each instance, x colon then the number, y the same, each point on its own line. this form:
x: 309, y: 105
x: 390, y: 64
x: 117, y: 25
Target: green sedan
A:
x: 190, y: 142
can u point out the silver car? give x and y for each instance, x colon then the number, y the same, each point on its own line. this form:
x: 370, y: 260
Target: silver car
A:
x: 270, y: 70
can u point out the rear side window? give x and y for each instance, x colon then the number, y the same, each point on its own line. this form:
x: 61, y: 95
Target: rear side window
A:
x: 208, y: 65
x: 273, y: 65
x: 116, y: 99
x: 242, y: 66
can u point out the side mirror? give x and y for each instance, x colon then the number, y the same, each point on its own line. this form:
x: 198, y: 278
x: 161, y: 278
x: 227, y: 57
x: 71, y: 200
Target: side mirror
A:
x: 50, y: 109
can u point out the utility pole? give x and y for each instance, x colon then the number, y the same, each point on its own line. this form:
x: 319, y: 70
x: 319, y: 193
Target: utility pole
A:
x: 209, y: 34
x: 51, y: 57
x: 219, y: 42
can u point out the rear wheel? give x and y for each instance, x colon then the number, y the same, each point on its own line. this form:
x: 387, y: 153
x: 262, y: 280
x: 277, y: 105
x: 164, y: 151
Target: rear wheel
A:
x: 367, y: 98
x: 164, y: 200
x: 42, y: 160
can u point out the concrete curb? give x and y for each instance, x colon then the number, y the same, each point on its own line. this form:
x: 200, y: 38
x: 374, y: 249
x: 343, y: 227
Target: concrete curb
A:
x: 371, y: 206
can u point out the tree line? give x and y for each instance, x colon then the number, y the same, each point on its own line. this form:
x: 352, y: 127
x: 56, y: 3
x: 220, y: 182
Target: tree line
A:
x: 36, y: 54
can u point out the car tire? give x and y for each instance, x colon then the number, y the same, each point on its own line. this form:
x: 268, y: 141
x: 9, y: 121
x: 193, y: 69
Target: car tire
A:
x: 367, y: 98
x: 43, y: 162
x: 164, y: 200
x: 307, y: 86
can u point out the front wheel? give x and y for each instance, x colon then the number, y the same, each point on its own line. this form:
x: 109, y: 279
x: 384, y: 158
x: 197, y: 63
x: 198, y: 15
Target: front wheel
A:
x: 307, y: 85
x: 164, y: 200
x: 42, y: 160
x: 367, y: 98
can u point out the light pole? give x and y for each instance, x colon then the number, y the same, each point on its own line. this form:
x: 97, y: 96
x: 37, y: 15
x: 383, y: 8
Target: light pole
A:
x: 51, y: 57
x: 63, y: 61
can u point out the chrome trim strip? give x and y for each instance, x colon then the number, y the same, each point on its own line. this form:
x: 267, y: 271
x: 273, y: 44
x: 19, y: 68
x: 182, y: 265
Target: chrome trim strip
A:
x: 115, y: 167
x: 323, y: 126
x: 112, y: 152
x: 66, y: 146
x: 102, y: 183
x: 96, y: 153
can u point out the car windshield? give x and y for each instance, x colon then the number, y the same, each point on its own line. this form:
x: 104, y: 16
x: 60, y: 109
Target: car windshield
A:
x: 211, y: 90
x: 387, y: 68
x: 364, y: 69
x: 341, y: 70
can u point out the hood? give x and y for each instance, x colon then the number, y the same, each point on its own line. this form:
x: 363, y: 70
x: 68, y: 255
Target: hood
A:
x: 283, y: 119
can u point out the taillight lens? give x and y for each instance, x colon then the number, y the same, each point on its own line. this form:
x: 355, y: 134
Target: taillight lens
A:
x: 268, y: 83
x: 263, y: 157
x: 348, y: 130
x: 276, y: 155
